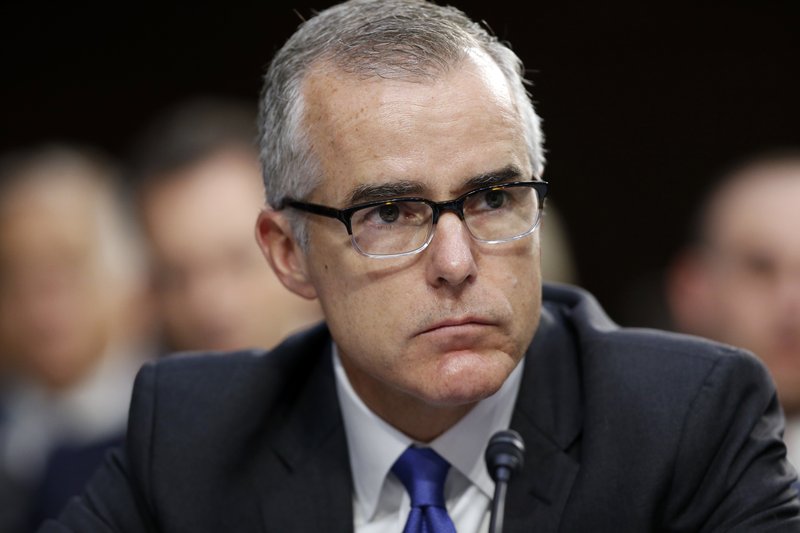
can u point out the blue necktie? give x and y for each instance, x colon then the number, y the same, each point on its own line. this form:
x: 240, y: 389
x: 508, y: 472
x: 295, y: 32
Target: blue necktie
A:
x: 423, y: 471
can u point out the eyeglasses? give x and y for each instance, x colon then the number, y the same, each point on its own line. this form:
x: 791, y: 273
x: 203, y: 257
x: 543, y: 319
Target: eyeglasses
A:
x: 404, y: 226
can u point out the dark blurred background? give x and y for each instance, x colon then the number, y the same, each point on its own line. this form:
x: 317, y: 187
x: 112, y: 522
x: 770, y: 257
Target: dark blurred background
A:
x: 643, y: 103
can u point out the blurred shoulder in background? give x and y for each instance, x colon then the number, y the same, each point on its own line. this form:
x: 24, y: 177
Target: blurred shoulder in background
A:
x: 558, y: 262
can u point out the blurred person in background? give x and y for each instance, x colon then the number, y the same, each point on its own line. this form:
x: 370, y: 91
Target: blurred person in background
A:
x: 739, y: 280
x: 558, y: 262
x: 199, y: 192
x: 71, y: 316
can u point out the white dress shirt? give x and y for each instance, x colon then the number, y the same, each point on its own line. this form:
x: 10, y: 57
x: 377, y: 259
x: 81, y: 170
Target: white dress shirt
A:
x: 38, y: 419
x: 380, y: 502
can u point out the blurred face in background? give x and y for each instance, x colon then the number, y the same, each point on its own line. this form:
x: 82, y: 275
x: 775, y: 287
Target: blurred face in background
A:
x: 746, y: 283
x: 211, y: 284
x: 59, y: 306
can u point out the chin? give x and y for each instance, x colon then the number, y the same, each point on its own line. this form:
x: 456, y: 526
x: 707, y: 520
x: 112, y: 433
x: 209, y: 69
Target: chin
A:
x: 456, y: 398
x: 469, y: 378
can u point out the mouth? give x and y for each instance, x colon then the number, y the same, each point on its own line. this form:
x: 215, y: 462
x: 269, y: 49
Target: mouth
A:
x: 455, y: 324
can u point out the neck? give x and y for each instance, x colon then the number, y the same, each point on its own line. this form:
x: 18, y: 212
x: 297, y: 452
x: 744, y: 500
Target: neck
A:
x: 420, y: 421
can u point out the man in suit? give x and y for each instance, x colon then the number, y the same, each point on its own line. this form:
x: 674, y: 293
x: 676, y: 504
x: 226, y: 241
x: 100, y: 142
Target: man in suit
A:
x: 72, y: 327
x: 403, y: 163
x: 738, y: 280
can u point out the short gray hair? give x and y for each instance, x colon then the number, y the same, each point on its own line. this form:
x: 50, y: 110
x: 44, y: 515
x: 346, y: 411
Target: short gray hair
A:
x: 399, y: 39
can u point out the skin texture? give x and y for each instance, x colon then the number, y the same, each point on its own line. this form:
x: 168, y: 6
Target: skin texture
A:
x: 422, y: 338
x: 210, y: 283
x: 744, y: 288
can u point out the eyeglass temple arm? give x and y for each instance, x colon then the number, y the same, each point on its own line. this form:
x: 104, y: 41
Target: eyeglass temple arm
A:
x: 313, y: 208
x: 320, y: 210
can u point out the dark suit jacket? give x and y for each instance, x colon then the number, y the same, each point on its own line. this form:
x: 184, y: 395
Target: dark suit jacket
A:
x: 626, y: 430
x: 68, y: 470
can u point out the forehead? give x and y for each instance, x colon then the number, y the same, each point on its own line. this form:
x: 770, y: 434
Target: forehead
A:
x: 761, y: 208
x: 435, y: 131
x: 220, y: 183
x: 206, y: 206
x: 48, y: 220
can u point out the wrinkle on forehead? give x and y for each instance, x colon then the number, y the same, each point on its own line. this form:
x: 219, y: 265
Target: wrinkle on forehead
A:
x: 764, y: 197
x: 391, y: 130
x: 325, y: 84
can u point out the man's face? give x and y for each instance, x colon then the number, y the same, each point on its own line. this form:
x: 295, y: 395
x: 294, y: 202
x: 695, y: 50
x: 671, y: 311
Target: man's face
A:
x: 755, y: 274
x: 211, y: 285
x: 448, y: 325
x: 56, y: 311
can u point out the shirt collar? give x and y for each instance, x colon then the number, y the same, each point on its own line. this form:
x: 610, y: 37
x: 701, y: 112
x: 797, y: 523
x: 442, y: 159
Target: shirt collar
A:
x: 374, y: 445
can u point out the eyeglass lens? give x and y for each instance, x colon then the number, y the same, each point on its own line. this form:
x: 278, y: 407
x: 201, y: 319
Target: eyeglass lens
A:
x: 495, y: 215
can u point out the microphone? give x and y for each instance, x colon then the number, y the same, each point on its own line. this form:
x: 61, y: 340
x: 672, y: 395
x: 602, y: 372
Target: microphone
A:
x: 504, y: 457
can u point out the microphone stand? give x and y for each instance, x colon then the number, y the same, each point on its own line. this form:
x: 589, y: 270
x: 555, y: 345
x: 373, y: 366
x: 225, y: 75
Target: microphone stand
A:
x: 504, y: 456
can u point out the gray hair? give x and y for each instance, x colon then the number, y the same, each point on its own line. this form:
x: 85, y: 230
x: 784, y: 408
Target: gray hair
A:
x: 398, y: 39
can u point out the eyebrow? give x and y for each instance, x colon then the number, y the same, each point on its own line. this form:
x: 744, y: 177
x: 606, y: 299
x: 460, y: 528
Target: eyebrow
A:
x: 386, y: 191
x: 505, y: 174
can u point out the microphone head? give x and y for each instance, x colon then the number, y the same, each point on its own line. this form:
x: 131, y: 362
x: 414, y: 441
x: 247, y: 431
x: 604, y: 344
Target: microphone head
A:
x: 505, y: 451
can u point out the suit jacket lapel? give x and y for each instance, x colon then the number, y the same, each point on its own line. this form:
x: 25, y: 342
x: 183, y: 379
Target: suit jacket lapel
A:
x: 303, y: 478
x: 548, y: 417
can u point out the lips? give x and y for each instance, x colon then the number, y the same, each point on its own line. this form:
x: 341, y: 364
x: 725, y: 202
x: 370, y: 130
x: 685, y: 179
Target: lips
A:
x: 452, y: 323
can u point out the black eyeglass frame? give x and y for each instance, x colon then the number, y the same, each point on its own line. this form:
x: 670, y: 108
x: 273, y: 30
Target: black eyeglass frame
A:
x: 454, y: 206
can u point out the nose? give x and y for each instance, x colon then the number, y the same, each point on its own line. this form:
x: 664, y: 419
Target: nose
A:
x: 451, y: 260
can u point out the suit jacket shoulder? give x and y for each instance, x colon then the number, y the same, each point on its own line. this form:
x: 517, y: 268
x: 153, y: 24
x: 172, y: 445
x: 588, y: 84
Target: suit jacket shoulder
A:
x: 652, y: 431
x: 249, y: 441
x: 625, y: 430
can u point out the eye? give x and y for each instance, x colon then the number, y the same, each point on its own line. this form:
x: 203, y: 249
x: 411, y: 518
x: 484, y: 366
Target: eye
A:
x: 495, y: 198
x: 393, y: 214
x: 388, y: 213
x: 759, y: 265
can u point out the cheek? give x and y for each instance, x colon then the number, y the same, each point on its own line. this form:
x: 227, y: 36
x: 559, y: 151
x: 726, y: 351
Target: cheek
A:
x: 744, y: 321
x: 742, y: 307
x: 519, y: 278
x: 348, y: 283
x: 377, y: 308
x: 357, y: 307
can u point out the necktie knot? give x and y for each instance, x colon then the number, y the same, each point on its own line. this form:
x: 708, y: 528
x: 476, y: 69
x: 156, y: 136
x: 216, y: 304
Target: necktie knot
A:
x: 423, y: 471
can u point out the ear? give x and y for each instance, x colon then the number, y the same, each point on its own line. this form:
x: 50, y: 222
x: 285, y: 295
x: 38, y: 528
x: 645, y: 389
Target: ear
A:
x: 288, y: 261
